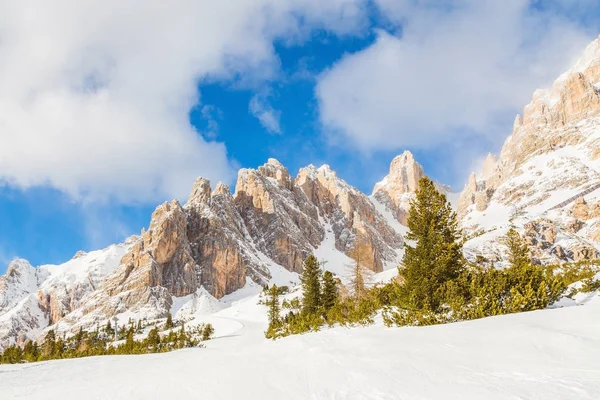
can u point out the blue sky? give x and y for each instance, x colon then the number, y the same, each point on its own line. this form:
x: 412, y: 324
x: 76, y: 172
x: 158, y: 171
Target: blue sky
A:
x: 96, y: 131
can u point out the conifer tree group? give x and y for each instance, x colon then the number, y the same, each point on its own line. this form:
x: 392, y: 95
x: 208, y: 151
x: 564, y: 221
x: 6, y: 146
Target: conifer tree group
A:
x: 160, y: 338
x: 436, y: 284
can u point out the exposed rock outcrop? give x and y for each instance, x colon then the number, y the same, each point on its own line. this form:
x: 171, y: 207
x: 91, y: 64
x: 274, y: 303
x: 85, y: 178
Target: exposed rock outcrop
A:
x: 584, y: 211
x: 397, y: 189
x: 216, y: 241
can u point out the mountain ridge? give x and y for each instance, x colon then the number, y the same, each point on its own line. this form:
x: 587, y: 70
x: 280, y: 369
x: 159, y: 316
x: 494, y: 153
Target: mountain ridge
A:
x: 218, y: 242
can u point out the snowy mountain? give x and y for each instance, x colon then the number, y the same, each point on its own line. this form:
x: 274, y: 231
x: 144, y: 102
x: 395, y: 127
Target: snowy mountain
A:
x: 215, y: 244
x: 546, y: 167
x: 33, y: 298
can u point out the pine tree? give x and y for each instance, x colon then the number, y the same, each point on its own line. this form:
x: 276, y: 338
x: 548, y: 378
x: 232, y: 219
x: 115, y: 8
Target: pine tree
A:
x: 311, y: 286
x: 182, y: 339
x: 49, y: 346
x: 436, y: 257
x: 108, y: 329
x: 169, y: 323
x: 518, y: 251
x: 79, y: 335
x: 274, y: 309
x: 153, y: 340
x: 330, y: 291
x: 207, y: 332
x: 129, y: 341
x: 30, y: 351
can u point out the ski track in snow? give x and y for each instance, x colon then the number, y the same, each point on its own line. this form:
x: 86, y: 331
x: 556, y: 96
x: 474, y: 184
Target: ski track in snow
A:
x: 548, y: 354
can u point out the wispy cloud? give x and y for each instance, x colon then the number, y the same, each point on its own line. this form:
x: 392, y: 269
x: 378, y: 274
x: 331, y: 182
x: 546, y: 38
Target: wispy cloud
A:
x: 212, y: 115
x: 268, y: 117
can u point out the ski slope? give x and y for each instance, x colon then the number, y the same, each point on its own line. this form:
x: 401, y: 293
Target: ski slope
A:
x: 549, y: 354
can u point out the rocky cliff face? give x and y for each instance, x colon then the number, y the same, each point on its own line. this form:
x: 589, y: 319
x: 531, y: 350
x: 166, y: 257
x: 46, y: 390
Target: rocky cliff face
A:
x: 551, y: 155
x: 216, y: 242
x: 397, y: 189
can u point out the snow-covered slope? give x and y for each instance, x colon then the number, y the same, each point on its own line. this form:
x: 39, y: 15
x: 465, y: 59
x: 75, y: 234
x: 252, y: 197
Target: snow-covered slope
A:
x: 549, y: 354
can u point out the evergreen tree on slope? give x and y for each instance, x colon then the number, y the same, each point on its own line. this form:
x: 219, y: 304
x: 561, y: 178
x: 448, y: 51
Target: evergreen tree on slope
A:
x: 311, y: 286
x: 274, y: 309
x: 436, y: 256
x: 330, y: 291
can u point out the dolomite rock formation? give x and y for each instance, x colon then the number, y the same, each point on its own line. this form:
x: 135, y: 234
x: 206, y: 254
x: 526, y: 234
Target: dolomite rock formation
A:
x: 397, y: 189
x: 582, y: 252
x: 563, y: 116
x: 479, y: 191
x: 33, y: 298
x: 584, y: 211
x: 215, y: 242
x: 278, y: 215
x: 351, y: 215
x: 549, y: 157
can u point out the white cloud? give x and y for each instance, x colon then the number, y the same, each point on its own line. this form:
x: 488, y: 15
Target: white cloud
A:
x: 94, y: 97
x: 268, y: 117
x: 451, y: 72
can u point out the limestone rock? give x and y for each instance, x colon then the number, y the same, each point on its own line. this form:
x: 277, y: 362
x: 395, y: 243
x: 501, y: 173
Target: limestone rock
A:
x: 560, y: 253
x: 350, y: 214
x: 551, y: 121
x: 584, y: 211
x: 547, y: 159
x: 584, y: 252
x: 397, y: 189
x: 573, y: 225
x: 594, y: 232
x: 278, y: 215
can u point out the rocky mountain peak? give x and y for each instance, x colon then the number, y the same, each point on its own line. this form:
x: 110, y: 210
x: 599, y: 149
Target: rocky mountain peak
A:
x: 201, y: 193
x: 518, y: 122
x: 221, y: 189
x: 552, y: 120
x: 403, y: 177
x: 489, y: 166
x: 18, y: 267
x: 79, y: 254
x: 274, y: 169
x: 216, y: 242
x: 397, y: 189
x: 19, y: 280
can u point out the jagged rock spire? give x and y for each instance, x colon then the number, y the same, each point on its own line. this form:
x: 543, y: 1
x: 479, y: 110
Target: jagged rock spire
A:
x: 201, y: 193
